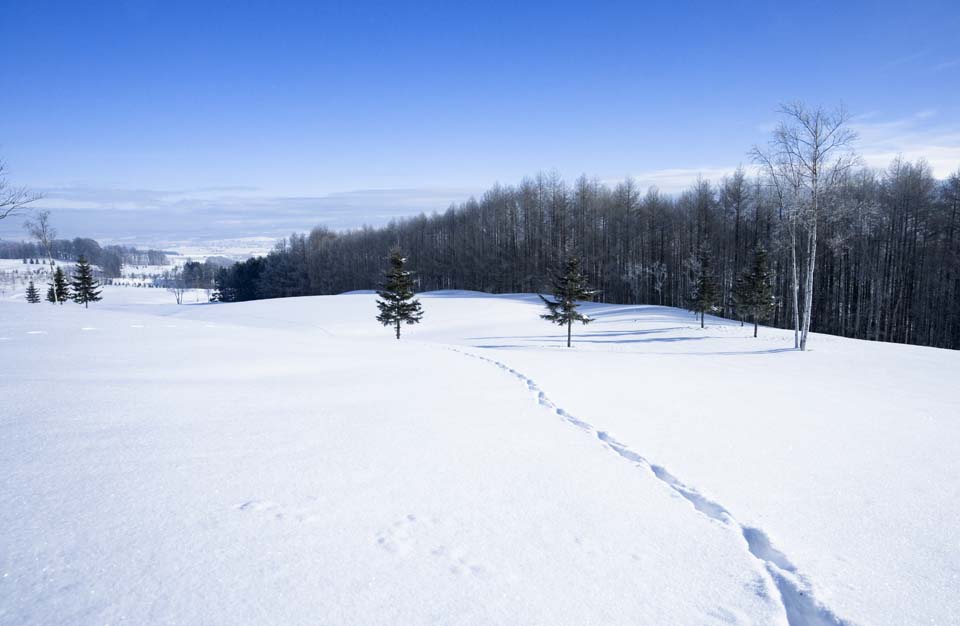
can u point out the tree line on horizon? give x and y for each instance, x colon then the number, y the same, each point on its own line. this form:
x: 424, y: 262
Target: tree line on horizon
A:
x: 852, y: 251
x: 888, y: 254
x: 110, y: 259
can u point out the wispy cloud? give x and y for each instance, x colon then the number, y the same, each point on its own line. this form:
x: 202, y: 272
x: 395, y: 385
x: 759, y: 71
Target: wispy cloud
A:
x: 677, y: 179
x: 906, y: 58
x: 217, y: 213
x: 946, y: 65
x: 919, y: 136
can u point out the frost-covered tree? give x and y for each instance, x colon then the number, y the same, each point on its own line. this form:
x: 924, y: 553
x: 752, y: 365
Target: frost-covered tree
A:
x: 569, y: 288
x: 706, y: 292
x: 33, y: 295
x: 753, y: 293
x: 85, y: 287
x: 811, y: 151
x: 397, y: 304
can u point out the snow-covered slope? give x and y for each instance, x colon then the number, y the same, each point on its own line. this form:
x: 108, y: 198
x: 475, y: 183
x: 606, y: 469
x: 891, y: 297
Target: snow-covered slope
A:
x: 289, y: 462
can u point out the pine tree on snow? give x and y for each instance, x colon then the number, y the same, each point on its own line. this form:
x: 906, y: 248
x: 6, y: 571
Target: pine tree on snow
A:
x: 753, y: 293
x: 86, y: 288
x: 397, y: 304
x: 33, y: 296
x: 51, y: 294
x: 705, y: 289
x: 61, y: 290
x: 569, y: 286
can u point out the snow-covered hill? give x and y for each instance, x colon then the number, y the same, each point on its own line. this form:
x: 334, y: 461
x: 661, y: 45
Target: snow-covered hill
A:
x: 289, y: 462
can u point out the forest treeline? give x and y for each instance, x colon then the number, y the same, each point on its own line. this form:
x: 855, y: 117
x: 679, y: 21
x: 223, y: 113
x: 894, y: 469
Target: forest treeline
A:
x: 887, y: 255
x: 109, y: 259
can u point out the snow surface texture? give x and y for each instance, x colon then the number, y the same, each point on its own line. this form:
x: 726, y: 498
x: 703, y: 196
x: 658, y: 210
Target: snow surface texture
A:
x: 289, y: 462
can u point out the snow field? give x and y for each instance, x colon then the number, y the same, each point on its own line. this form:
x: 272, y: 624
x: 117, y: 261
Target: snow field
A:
x: 287, y: 461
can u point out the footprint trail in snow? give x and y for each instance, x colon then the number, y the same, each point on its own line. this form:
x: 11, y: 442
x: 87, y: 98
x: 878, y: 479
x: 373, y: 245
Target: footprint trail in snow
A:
x: 801, y: 607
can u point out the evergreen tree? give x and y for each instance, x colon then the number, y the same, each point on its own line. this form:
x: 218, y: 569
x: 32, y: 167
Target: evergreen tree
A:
x: 706, y: 292
x: 33, y: 296
x: 396, y: 302
x: 569, y: 286
x: 61, y: 289
x: 86, y: 288
x: 51, y: 294
x: 753, y: 293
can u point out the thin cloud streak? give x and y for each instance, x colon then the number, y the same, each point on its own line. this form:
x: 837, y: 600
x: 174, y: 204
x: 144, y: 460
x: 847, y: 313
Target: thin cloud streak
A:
x: 946, y: 65
x: 916, y: 137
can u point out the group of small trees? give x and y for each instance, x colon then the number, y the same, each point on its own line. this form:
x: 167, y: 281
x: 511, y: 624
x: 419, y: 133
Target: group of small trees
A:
x: 753, y: 293
x: 83, y: 288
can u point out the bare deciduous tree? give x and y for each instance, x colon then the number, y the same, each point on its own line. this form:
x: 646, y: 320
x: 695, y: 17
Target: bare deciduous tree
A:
x: 40, y: 229
x: 13, y: 200
x: 176, y: 283
x: 781, y: 177
x: 811, y: 148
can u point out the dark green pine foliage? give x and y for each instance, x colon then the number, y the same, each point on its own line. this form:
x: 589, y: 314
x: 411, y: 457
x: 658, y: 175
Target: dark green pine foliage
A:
x: 61, y: 289
x: 86, y: 288
x: 33, y: 296
x: 753, y: 293
x: 397, y: 304
x: 51, y: 294
x: 569, y: 287
x: 706, y: 292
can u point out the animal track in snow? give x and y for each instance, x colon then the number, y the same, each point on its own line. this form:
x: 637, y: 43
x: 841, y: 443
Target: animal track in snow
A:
x: 278, y: 511
x: 414, y: 536
x: 801, y: 607
x: 263, y: 506
x: 398, y: 537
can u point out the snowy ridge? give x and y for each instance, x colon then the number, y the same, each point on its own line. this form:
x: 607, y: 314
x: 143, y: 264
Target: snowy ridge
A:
x: 801, y: 607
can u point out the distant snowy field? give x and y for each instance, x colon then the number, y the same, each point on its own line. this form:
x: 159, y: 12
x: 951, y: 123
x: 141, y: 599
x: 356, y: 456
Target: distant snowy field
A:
x: 289, y: 462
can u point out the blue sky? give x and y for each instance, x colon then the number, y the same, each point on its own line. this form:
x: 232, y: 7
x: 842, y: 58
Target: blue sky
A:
x: 245, y: 118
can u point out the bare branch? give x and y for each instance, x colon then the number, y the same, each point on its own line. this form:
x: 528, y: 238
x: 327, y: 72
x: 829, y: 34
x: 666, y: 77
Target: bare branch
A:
x: 13, y: 200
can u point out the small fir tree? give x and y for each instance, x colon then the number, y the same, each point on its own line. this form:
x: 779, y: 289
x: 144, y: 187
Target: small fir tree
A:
x: 51, y: 294
x: 85, y: 287
x: 61, y: 289
x: 33, y: 295
x: 569, y: 287
x: 397, y: 304
x: 705, y: 289
x: 753, y: 294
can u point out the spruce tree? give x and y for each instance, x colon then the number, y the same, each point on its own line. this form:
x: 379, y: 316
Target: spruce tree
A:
x: 705, y: 289
x: 86, y: 288
x: 61, y: 289
x: 33, y: 296
x: 397, y: 304
x: 569, y: 286
x: 753, y: 293
x: 51, y: 294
